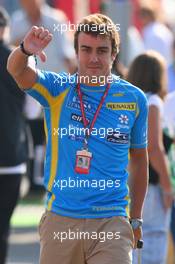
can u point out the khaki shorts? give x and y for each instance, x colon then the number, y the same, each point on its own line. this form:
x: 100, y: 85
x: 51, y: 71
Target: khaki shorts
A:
x: 65, y: 240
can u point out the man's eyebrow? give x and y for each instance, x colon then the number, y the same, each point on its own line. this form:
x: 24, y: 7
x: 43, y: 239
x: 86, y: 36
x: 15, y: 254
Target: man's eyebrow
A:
x: 101, y: 47
x: 85, y: 46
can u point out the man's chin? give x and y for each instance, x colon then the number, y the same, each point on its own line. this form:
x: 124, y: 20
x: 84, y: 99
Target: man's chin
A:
x: 92, y: 76
x: 94, y: 72
x: 99, y: 79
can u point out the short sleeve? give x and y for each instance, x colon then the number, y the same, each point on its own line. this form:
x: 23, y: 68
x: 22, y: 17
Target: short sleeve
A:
x: 48, y: 87
x: 140, y: 127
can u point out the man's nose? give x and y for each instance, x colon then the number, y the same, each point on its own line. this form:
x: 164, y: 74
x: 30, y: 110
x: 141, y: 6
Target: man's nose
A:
x: 94, y: 58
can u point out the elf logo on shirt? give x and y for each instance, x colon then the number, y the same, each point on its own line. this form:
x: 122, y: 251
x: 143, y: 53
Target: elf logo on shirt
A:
x: 78, y: 118
x: 121, y: 106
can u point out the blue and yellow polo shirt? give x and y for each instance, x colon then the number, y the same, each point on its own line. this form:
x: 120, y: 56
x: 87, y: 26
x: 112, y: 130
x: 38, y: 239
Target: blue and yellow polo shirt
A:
x: 121, y: 125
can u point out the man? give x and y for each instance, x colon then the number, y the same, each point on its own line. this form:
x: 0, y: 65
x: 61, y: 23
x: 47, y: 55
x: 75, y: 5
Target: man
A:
x: 13, y: 150
x: 94, y: 117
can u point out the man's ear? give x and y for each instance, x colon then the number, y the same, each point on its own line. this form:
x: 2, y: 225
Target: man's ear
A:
x: 114, y: 56
x: 76, y: 54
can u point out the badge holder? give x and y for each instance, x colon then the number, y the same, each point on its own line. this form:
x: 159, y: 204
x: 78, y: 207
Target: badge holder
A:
x: 83, y: 159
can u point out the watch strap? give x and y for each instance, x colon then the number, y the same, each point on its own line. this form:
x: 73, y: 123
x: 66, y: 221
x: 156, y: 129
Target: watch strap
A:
x: 23, y: 49
x: 136, y: 222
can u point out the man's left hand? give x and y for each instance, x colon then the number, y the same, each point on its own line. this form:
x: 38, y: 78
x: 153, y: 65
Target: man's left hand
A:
x: 137, y: 235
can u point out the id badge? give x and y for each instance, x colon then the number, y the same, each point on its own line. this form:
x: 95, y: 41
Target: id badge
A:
x: 83, y: 159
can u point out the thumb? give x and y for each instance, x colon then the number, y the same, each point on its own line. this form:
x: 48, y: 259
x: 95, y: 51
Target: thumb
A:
x: 42, y: 56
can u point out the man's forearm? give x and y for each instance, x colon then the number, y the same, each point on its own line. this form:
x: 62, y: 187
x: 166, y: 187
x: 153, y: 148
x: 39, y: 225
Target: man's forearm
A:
x: 17, y: 62
x: 17, y: 66
x: 138, y: 184
x: 138, y: 192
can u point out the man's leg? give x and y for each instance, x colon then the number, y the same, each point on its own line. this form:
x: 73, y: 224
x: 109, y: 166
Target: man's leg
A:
x: 59, y: 241
x: 114, y: 243
x: 9, y: 193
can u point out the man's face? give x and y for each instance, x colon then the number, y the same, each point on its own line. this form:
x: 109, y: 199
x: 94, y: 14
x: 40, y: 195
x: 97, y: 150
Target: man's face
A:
x: 94, y: 55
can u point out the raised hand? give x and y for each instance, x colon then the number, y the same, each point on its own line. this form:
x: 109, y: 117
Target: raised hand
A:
x: 36, y: 40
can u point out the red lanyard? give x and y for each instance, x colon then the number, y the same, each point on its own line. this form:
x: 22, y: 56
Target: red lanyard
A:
x: 85, y: 122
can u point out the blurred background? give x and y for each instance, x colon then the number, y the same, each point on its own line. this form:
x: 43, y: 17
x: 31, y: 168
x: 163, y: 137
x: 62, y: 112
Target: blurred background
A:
x: 136, y: 37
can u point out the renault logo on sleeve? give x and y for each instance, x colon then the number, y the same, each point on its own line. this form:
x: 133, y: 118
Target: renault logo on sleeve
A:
x: 121, y: 106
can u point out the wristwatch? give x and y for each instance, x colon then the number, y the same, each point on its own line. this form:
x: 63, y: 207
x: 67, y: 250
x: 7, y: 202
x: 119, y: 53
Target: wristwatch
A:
x: 136, y: 223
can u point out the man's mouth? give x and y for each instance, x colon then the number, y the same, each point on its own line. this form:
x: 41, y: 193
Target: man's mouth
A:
x: 94, y: 67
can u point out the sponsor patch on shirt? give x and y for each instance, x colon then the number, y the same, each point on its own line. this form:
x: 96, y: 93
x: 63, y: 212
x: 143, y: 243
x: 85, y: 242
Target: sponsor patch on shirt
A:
x: 73, y: 102
x: 118, y: 94
x: 123, y: 119
x: 76, y: 138
x: 78, y: 118
x: 120, y: 138
x: 121, y: 106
